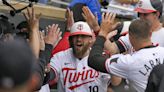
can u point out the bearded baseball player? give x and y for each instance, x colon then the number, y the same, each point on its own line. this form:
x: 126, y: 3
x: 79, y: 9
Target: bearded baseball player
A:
x: 135, y: 67
x: 70, y: 68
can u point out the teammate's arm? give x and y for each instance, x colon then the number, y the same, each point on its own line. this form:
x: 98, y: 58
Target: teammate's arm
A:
x: 95, y: 58
x: 112, y: 47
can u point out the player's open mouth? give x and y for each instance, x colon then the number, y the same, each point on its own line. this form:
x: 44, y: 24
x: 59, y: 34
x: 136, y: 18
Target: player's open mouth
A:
x: 79, y: 45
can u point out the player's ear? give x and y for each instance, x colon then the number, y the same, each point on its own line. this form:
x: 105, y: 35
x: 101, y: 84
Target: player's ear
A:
x: 157, y: 14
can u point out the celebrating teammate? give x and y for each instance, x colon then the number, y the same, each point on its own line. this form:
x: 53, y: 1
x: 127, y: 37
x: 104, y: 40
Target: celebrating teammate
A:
x: 147, y: 10
x: 70, y: 68
x: 135, y: 67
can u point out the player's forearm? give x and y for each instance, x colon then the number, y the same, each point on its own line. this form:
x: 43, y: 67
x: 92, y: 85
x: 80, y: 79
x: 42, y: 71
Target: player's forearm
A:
x: 96, y: 60
x: 40, y: 66
x: 112, y: 48
x: 34, y: 42
x: 46, y: 53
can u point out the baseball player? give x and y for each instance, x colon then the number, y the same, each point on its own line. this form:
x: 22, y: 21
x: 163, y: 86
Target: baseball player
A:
x: 135, y: 67
x: 69, y: 68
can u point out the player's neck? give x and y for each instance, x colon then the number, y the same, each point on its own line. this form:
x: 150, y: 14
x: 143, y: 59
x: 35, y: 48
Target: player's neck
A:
x: 141, y: 45
x: 81, y: 56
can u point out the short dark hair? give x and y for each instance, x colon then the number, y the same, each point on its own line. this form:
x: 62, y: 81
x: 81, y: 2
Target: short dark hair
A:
x: 77, y: 12
x: 22, y: 24
x: 140, y: 28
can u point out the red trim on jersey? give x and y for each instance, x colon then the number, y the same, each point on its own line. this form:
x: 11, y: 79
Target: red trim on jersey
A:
x: 78, y: 85
x: 124, y: 33
x: 123, y: 44
x: 54, y: 81
x: 106, y: 52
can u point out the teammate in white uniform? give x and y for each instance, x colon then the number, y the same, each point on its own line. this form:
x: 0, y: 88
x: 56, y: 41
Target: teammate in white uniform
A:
x: 156, y: 38
x: 148, y: 10
x: 135, y: 67
x: 71, y: 70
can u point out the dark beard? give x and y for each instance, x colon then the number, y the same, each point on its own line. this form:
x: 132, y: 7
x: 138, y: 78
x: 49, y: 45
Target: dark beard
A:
x: 80, y: 53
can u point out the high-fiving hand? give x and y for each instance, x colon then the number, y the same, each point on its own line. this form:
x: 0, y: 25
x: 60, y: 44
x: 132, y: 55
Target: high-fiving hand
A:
x: 32, y: 19
x: 54, y: 35
x: 91, y: 19
x: 108, y: 23
x: 69, y: 19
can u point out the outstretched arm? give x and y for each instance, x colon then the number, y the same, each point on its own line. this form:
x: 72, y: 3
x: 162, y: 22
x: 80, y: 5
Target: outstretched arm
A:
x: 96, y: 59
x: 33, y: 27
x: 50, y: 41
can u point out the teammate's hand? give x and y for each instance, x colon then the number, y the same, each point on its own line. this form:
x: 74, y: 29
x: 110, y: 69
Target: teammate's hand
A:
x: 91, y: 19
x: 54, y: 35
x: 32, y: 19
x: 69, y: 19
x: 108, y: 42
x: 108, y: 24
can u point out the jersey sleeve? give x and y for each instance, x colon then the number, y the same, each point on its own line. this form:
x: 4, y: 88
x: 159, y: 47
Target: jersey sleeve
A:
x: 119, y: 65
x: 55, y: 64
x: 124, y: 44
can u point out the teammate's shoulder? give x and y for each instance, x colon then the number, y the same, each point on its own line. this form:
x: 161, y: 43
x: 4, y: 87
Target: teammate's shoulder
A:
x: 124, y: 57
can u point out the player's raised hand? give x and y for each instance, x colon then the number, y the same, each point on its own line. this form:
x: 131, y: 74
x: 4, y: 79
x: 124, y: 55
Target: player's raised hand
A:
x: 91, y: 19
x: 54, y: 35
x: 69, y: 19
x: 108, y: 23
x: 32, y: 19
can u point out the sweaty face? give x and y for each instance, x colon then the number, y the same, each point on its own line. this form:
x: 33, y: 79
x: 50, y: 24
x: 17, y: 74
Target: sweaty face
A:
x: 80, y: 44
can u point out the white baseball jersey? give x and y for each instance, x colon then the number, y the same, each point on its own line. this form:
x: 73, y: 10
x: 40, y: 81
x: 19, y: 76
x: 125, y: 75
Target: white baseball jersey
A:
x: 136, y: 67
x: 75, y: 75
x: 157, y: 39
x: 45, y: 88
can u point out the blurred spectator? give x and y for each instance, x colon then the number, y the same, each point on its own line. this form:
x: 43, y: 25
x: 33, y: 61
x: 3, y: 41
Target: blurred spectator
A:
x: 23, y: 29
x: 7, y: 29
x: 43, y: 1
x: 17, y: 62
